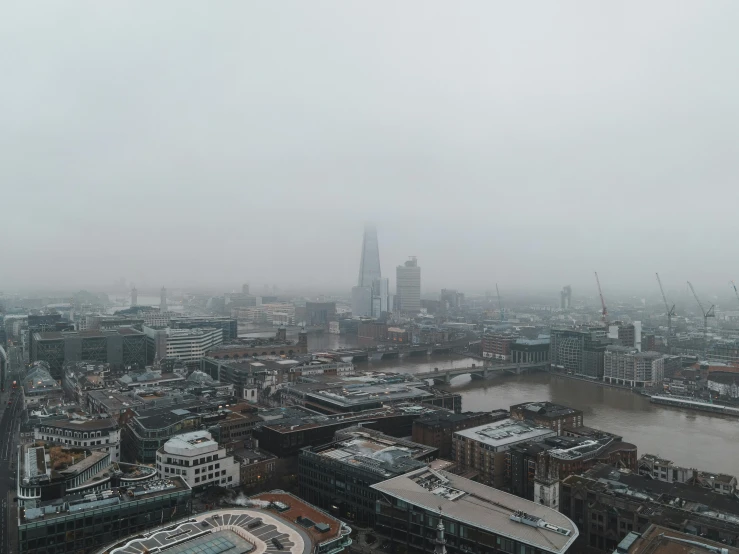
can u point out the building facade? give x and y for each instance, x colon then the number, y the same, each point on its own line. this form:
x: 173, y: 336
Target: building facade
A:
x: 103, y: 435
x: 548, y: 414
x: 408, y: 287
x: 578, y: 351
x: 437, y: 428
x: 198, y: 460
x: 187, y: 345
x: 627, y: 366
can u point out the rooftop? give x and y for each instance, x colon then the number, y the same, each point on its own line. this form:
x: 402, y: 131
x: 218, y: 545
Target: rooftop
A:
x: 505, y: 432
x: 81, y: 424
x: 458, y: 499
x: 76, y: 503
x: 544, y: 409
x: 662, y: 540
x: 191, y: 444
x: 358, y: 395
x: 297, y: 526
x: 91, y: 333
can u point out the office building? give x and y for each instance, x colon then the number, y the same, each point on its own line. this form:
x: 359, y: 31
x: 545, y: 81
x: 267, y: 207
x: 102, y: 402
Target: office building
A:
x: 199, y: 460
x: 186, y: 345
x: 527, y: 351
x: 451, y: 299
x: 337, y: 476
x: 257, y: 466
x: 83, y: 522
x: 472, y: 517
x: 607, y: 504
x: 578, y: 351
x: 547, y: 414
x: 380, y: 297
x: 408, y: 287
x: 627, y: 366
x: 369, y: 272
x: 149, y: 428
x: 437, y: 428
x: 319, y: 313
x: 163, y: 300
x: 97, y: 435
x: 228, y: 325
x: 121, y: 348
x: 497, y: 346
x: 484, y: 448
x: 274, y: 522
x: 565, y: 298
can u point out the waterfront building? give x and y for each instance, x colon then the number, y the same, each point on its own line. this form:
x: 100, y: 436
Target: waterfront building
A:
x: 475, y: 517
x: 526, y: 351
x: 578, y: 351
x: 548, y: 414
x: 199, y: 460
x: 408, y: 286
x: 627, y: 366
x: 337, y: 476
x: 484, y: 448
x: 667, y: 471
x: 497, y: 346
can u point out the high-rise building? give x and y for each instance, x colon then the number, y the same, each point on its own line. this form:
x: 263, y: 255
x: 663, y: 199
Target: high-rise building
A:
x: 408, y: 285
x: 370, y: 296
x: 134, y: 297
x: 163, y: 300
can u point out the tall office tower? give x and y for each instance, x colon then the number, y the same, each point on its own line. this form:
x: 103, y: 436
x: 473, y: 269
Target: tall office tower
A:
x: 134, y: 297
x: 245, y: 289
x: 565, y: 298
x: 380, y: 296
x: 408, y: 286
x: 163, y: 300
x: 369, y: 271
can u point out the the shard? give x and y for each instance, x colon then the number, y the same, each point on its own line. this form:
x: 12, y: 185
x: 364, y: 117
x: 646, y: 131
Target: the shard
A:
x: 369, y: 264
x: 370, y: 297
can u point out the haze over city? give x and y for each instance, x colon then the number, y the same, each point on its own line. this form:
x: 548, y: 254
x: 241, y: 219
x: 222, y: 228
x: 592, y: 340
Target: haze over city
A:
x: 522, y: 143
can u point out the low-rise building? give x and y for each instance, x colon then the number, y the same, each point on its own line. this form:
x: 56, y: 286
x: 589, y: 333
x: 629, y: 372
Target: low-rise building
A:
x: 199, y: 460
x: 548, y: 414
x: 40, y: 388
x: 426, y: 509
x: 660, y: 469
x: 497, y: 346
x: 257, y: 467
x: 483, y: 449
x: 337, y: 476
x: 81, y: 377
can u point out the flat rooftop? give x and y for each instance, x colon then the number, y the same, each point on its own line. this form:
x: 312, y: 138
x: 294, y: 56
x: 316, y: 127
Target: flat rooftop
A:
x: 92, y: 333
x: 240, y: 530
x: 72, y: 504
x: 458, y: 499
x: 505, y: 432
x: 662, y: 540
x: 544, y: 409
x: 348, y: 397
x: 81, y: 424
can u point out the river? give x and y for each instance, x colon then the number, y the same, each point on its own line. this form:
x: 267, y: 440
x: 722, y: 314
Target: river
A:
x: 693, y: 439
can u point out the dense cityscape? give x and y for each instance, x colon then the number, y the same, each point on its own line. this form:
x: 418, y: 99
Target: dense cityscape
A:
x: 270, y: 421
x: 345, y: 277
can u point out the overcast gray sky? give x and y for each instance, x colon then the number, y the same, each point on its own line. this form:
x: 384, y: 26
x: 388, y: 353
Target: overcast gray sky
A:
x: 527, y: 143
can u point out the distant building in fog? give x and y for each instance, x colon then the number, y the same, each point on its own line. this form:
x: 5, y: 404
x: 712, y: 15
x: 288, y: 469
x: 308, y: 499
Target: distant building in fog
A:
x: 408, y: 285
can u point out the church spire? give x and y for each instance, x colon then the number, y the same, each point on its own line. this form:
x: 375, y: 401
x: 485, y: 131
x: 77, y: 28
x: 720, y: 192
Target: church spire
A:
x: 440, y: 547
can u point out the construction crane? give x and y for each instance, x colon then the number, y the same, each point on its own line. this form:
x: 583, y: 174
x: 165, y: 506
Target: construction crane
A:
x: 604, y: 313
x: 500, y: 304
x: 706, y: 314
x: 735, y: 291
x: 670, y: 311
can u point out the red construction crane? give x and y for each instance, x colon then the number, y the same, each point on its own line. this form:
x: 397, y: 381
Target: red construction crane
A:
x: 604, y: 313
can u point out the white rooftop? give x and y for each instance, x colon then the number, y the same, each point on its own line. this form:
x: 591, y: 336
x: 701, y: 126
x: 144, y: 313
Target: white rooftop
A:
x: 191, y: 444
x: 506, y: 432
x: 459, y: 499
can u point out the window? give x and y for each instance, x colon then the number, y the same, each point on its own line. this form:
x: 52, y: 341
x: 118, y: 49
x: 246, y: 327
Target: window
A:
x: 230, y: 478
x: 197, y: 471
x: 197, y: 479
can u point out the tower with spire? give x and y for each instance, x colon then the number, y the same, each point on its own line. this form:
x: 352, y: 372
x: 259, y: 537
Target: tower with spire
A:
x: 440, y: 542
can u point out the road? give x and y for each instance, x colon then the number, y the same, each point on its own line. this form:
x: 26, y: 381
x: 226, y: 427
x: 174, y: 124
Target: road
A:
x: 9, y: 427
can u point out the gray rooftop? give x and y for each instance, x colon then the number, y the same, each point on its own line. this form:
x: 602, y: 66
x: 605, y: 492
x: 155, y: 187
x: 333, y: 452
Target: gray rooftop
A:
x: 483, y: 507
x: 501, y: 434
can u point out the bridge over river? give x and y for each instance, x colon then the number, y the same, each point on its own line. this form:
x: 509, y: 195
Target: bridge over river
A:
x: 483, y: 371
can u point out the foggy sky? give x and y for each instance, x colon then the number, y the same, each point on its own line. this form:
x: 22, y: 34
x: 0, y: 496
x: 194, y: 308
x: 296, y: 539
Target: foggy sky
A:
x: 526, y: 143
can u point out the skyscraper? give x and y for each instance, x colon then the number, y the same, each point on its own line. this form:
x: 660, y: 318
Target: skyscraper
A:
x: 408, y: 285
x: 134, y: 297
x: 370, y: 296
x: 163, y: 300
x: 369, y: 264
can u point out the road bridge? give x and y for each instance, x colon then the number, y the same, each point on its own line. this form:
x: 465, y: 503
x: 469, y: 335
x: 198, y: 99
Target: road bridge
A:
x: 400, y: 351
x: 444, y: 376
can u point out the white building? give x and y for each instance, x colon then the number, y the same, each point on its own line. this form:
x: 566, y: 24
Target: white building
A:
x: 102, y: 435
x: 627, y: 366
x: 408, y: 285
x: 187, y: 345
x: 198, y: 459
